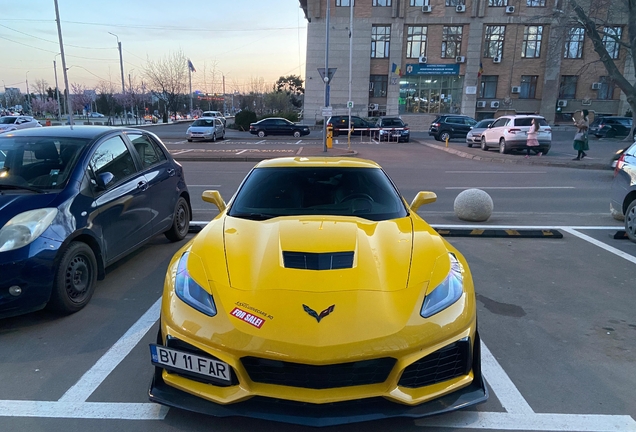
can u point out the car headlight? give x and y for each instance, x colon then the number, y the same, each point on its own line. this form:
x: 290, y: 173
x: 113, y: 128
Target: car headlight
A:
x: 24, y: 228
x: 190, y: 292
x: 446, y: 293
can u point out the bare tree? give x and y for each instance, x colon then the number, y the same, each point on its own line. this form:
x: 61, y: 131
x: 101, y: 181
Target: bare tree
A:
x: 81, y: 97
x: 41, y: 87
x: 168, y: 78
x: 599, y: 18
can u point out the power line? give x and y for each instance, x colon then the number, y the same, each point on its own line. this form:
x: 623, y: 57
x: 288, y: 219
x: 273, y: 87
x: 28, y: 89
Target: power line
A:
x: 46, y: 40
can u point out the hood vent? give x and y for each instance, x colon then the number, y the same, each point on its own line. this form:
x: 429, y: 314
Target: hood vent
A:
x: 318, y: 261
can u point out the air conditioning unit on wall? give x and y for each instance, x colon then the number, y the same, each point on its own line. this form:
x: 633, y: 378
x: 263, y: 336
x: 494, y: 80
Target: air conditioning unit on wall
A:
x: 427, y: 8
x: 374, y: 107
x: 460, y: 8
x: 494, y: 104
x: 516, y: 89
x: 481, y: 104
x: 422, y: 59
x: 496, y: 59
x: 596, y: 86
x: 562, y: 103
x: 510, y: 9
x: 460, y: 59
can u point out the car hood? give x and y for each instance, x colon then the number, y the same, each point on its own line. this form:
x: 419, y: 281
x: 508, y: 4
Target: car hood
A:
x: 12, y: 203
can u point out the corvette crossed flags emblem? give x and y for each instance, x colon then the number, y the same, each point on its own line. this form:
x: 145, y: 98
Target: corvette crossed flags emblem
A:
x: 314, y: 314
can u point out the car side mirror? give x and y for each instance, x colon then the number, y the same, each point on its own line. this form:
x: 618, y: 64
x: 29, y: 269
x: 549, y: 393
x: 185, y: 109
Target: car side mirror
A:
x: 423, y: 198
x: 214, y: 197
x: 104, y: 179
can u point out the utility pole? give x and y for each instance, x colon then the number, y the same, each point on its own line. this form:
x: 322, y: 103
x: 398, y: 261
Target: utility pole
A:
x: 224, y: 108
x: 121, y: 66
x: 69, y: 110
x: 349, y: 101
x: 57, y: 91
x: 27, y: 89
x: 326, y: 79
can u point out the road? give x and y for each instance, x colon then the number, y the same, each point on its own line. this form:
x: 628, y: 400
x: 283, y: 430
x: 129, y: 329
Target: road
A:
x: 556, y: 315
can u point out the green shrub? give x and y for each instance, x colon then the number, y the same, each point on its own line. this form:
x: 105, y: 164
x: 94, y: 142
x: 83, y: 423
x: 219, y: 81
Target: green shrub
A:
x: 243, y: 119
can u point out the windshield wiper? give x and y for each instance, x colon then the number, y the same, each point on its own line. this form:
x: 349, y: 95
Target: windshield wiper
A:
x: 18, y: 187
x: 254, y: 216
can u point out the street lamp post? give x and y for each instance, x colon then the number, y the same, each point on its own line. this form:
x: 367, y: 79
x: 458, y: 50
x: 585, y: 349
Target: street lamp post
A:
x: 121, y: 66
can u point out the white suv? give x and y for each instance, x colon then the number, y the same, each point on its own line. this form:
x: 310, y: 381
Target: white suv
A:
x: 511, y: 133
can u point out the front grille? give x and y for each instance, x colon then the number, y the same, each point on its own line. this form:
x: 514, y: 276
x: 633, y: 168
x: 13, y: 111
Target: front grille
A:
x: 318, y: 261
x: 180, y: 345
x: 450, y: 362
x: 318, y: 377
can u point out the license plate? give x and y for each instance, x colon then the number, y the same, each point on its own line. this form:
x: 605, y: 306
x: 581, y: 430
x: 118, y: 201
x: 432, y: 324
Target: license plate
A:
x: 188, y: 362
x: 395, y: 134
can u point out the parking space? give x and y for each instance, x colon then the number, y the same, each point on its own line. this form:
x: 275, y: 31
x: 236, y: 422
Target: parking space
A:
x: 555, y: 315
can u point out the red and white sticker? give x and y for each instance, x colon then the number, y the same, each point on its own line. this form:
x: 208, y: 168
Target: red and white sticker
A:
x: 247, y: 317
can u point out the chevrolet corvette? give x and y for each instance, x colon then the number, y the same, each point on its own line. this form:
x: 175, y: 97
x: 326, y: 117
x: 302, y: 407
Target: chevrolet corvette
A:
x: 318, y: 296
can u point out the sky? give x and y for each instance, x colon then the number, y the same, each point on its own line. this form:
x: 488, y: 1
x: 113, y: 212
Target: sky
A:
x: 243, y: 40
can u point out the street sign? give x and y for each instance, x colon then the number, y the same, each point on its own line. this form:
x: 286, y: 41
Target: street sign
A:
x: 332, y: 71
x: 350, y: 104
x: 327, y: 111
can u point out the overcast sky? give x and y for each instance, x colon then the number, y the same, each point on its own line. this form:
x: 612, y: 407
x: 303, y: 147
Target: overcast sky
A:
x: 242, y: 39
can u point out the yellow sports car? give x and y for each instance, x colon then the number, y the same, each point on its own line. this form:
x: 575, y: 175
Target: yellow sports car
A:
x: 318, y: 296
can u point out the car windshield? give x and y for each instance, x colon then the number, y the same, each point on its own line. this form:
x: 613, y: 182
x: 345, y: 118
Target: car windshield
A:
x: 393, y: 122
x: 363, y: 192
x: 203, y: 122
x: 38, y: 163
x: 527, y: 121
x: 483, y: 124
x: 8, y: 120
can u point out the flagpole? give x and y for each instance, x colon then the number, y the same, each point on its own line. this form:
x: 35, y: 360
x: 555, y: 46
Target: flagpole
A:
x: 190, y: 73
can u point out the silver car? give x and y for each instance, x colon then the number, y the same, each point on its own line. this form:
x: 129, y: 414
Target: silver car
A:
x: 510, y: 132
x: 206, y: 128
x: 11, y: 123
x: 215, y: 114
x: 474, y: 135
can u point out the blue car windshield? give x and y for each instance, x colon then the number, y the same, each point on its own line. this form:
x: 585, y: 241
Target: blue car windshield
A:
x: 38, y: 163
x: 290, y: 191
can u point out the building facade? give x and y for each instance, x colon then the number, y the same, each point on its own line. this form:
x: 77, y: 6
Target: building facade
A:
x: 475, y: 57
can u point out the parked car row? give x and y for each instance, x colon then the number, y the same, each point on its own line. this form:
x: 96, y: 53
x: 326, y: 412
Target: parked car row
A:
x: 611, y: 127
x: 12, y: 123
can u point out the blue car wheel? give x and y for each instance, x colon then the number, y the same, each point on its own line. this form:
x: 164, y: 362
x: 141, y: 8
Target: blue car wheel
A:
x: 75, y: 279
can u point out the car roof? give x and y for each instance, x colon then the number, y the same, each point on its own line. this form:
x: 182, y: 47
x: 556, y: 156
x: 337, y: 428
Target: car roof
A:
x: 317, y: 161
x: 516, y: 116
x: 88, y: 132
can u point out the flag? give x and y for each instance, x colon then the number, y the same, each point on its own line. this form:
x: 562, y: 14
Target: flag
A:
x: 396, y: 69
x: 191, y: 66
x: 393, y: 67
x: 481, y: 69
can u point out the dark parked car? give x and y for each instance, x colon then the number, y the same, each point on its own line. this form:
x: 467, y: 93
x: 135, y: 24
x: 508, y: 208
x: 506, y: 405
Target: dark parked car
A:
x: 387, y: 132
x: 278, y: 126
x: 75, y: 200
x: 451, y: 126
x: 613, y: 127
x: 340, y: 125
x: 623, y: 195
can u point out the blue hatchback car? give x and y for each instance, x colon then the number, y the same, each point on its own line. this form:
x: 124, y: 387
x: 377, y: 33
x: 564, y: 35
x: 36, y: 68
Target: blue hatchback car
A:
x: 74, y: 200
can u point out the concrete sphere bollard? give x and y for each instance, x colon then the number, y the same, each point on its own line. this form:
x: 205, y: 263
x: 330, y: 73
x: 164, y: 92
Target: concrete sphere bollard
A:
x: 473, y: 205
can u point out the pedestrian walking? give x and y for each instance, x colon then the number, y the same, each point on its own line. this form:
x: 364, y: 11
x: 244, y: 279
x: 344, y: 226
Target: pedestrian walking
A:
x: 532, y: 141
x: 580, y: 139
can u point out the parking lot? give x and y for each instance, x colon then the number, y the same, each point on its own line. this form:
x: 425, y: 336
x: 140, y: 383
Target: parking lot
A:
x: 556, y: 315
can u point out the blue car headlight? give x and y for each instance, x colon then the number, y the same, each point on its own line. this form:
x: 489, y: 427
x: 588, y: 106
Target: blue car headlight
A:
x: 25, y: 227
x: 190, y: 292
x: 446, y: 293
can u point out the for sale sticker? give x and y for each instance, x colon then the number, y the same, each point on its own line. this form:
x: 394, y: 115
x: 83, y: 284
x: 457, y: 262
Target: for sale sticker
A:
x: 247, y: 317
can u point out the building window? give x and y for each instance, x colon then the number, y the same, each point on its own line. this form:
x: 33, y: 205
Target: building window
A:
x: 418, y: 3
x: 381, y: 2
x: 494, y: 41
x: 606, y: 90
x: 531, y: 47
x: 611, y: 40
x: 567, y: 88
x: 455, y: 3
x: 378, y: 85
x: 488, y: 86
x: 528, y: 87
x: 416, y: 41
x: 497, y: 3
x: 574, y: 43
x: 451, y: 41
x: 535, y: 3
x: 380, y: 40
x: 345, y: 3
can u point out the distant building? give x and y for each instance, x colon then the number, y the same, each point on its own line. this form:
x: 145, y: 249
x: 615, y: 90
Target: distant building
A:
x: 474, y: 57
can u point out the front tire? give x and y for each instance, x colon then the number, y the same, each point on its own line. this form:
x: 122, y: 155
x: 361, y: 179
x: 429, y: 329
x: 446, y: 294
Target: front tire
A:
x: 261, y: 134
x: 75, y: 279
x: 470, y: 145
x: 296, y: 134
x: 214, y: 137
x: 180, y: 221
x: 484, y: 146
x: 630, y: 221
x: 189, y: 140
x: 444, y: 136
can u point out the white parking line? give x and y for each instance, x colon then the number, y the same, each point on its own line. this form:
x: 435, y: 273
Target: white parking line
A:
x: 242, y: 151
x: 260, y: 142
x: 602, y: 245
x: 182, y: 151
x: 109, y: 361
x: 84, y: 410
